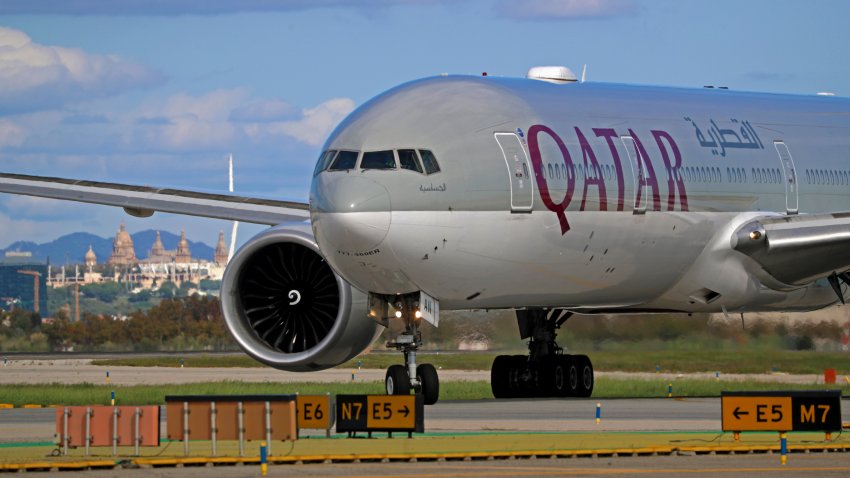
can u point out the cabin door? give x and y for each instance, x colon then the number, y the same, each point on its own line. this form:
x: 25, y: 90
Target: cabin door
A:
x: 789, y: 173
x: 639, y: 182
x: 519, y: 171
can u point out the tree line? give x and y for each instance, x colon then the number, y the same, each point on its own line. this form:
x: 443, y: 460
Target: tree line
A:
x: 178, y: 324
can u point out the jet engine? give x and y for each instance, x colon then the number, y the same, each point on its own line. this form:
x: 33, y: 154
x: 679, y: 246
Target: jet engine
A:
x: 287, y: 308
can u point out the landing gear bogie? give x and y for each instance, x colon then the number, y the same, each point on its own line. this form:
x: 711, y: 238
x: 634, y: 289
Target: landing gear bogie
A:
x: 546, y: 371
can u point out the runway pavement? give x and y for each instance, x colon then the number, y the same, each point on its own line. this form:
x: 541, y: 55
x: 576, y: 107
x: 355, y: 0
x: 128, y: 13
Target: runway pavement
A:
x: 550, y: 415
x: 532, y: 415
x: 38, y: 369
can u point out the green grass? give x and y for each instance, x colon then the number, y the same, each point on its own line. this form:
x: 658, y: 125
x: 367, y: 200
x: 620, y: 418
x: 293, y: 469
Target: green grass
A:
x: 89, y: 394
x: 743, y: 360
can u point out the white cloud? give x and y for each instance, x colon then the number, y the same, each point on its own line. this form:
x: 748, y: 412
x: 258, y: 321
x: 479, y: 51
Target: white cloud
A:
x: 184, y: 122
x: 32, y: 207
x: 226, y: 119
x: 263, y: 112
x: 34, y: 76
x: 317, y: 123
x: 191, y: 7
x: 11, y: 134
x: 566, y: 9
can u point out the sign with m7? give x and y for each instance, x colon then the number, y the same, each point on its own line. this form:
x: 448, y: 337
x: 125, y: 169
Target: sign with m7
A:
x: 781, y: 411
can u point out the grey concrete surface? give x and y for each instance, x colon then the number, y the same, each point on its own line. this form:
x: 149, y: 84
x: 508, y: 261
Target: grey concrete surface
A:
x: 548, y: 415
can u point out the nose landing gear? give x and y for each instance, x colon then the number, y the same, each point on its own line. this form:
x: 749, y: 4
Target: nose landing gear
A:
x: 421, y: 378
x: 546, y: 371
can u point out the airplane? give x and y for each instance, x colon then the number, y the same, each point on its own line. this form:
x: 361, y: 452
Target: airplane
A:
x: 543, y: 194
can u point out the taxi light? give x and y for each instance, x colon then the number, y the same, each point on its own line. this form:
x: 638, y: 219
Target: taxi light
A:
x: 418, y: 314
x: 398, y: 314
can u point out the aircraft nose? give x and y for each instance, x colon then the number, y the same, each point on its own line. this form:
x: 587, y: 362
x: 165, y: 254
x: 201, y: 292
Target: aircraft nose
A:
x: 351, y: 212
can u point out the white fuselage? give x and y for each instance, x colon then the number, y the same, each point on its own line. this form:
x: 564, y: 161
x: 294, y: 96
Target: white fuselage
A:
x: 588, y: 197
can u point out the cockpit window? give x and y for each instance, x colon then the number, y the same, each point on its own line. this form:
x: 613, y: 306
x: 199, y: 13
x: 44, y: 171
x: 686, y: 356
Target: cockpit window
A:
x: 429, y: 161
x: 324, y: 161
x: 344, y: 160
x: 407, y: 159
x: 378, y: 160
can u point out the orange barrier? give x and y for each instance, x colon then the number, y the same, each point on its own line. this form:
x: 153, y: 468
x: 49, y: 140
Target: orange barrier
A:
x: 231, y: 417
x: 100, y: 425
x: 829, y: 375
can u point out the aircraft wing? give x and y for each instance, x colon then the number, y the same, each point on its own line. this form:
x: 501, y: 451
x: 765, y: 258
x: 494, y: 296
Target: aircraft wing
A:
x: 798, y: 249
x: 142, y: 201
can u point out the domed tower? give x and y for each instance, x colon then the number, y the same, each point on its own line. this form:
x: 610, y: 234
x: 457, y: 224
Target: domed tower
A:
x: 157, y: 250
x: 183, y: 255
x: 123, y: 251
x: 91, y: 257
x: 221, y: 250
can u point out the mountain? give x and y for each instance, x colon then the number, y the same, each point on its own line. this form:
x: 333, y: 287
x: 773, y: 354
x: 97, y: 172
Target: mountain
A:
x: 72, y: 248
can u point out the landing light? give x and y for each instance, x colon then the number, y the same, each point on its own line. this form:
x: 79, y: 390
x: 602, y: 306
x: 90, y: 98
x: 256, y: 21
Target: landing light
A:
x: 418, y: 314
x: 755, y: 235
x: 398, y: 314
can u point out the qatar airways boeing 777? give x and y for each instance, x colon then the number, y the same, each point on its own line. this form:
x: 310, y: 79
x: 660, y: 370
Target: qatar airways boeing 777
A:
x: 541, y: 194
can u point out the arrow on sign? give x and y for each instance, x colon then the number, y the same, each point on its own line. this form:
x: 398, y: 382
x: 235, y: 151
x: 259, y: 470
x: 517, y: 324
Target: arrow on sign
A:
x: 738, y: 412
x: 405, y: 411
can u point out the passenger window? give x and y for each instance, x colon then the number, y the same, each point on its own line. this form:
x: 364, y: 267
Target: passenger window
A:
x: 378, y: 160
x: 407, y: 159
x: 345, y: 160
x: 324, y: 160
x: 429, y: 161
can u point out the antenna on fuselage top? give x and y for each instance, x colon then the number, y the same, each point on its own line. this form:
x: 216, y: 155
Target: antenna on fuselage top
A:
x: 235, y: 223
x: 583, y: 72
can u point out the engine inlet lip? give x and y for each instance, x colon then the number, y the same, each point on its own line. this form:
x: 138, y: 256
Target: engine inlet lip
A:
x: 237, y: 322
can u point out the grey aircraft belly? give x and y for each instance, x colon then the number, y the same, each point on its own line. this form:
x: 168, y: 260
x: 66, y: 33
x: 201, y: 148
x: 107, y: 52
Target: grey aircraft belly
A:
x: 548, y: 197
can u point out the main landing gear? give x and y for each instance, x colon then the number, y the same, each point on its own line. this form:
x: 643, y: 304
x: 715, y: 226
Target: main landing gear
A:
x: 402, y: 379
x: 546, y: 371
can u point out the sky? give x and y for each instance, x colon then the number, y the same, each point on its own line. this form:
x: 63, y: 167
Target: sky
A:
x: 160, y: 92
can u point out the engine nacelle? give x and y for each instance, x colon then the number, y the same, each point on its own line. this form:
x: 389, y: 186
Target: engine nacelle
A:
x: 287, y: 308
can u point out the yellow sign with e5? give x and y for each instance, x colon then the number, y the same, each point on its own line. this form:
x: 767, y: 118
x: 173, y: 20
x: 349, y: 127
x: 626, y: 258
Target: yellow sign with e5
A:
x: 389, y: 413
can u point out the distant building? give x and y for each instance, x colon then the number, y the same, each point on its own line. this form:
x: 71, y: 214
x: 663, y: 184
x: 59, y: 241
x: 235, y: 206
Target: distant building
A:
x: 123, y: 252
x: 183, y: 254
x: 15, y: 286
x: 160, y: 265
x: 91, y: 258
x: 160, y: 255
x: 221, y: 253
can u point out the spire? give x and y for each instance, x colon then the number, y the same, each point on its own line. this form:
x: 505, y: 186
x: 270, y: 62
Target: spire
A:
x: 221, y: 250
x: 157, y: 250
x: 183, y: 255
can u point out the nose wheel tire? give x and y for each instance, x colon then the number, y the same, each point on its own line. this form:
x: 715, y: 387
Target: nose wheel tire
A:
x: 397, y: 382
x: 429, y: 383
